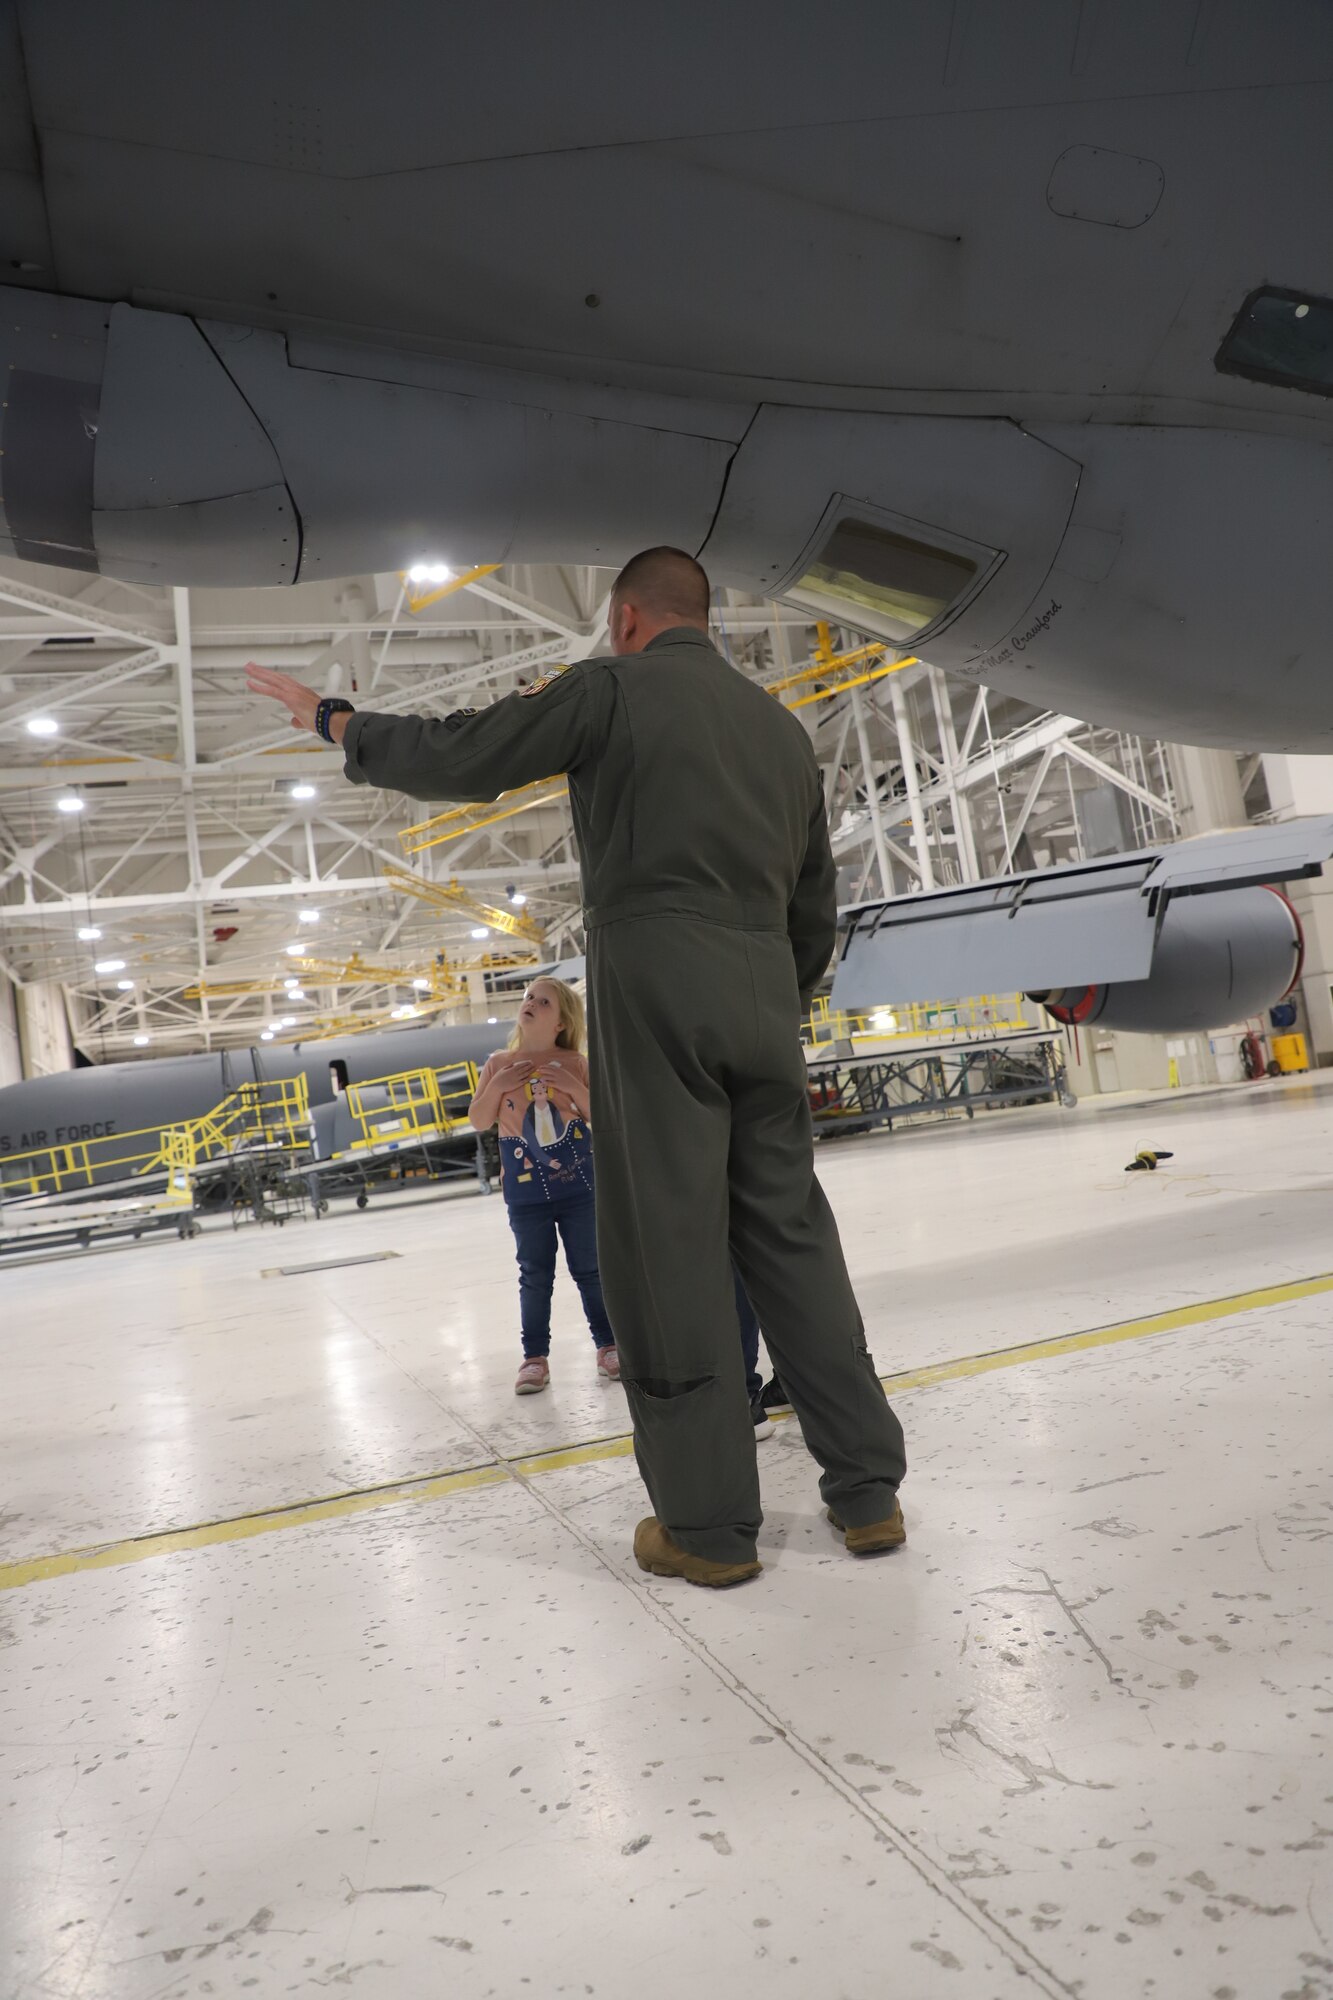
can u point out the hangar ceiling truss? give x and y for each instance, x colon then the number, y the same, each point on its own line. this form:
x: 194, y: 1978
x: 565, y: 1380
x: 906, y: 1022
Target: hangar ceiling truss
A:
x: 165, y: 847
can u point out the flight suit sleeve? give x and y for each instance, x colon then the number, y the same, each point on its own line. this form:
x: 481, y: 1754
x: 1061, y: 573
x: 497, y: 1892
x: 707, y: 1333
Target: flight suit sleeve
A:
x: 812, y: 914
x: 475, y: 754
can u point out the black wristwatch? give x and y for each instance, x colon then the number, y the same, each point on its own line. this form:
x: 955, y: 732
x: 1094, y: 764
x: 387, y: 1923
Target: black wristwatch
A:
x: 329, y: 706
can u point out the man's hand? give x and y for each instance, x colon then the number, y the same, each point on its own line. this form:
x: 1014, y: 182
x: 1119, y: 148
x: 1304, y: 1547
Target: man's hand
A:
x: 300, y: 701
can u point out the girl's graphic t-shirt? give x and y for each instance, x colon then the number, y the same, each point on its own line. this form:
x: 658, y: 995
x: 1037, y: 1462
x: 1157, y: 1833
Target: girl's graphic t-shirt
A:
x: 545, y: 1141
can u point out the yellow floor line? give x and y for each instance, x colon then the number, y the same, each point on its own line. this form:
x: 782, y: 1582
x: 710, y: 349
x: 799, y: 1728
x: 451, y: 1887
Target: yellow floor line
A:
x: 437, y: 1486
x: 1110, y: 1336
x: 240, y: 1527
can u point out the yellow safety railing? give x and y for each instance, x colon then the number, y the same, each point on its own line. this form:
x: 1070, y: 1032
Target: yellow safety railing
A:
x: 412, y: 1104
x: 56, y: 1169
x: 274, y: 1113
x: 277, y: 1111
x: 915, y: 1020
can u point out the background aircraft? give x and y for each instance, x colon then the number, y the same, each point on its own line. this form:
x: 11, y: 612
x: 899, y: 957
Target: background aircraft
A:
x: 103, y: 1103
x: 1004, y: 333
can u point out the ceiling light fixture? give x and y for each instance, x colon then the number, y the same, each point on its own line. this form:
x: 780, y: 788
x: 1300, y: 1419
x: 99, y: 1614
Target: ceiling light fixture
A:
x: 481, y: 931
x: 422, y: 985
x: 303, y: 791
x: 517, y: 898
x: 109, y: 965
x: 87, y: 932
x: 287, y: 1021
x: 296, y: 993
x: 68, y: 803
x: 125, y: 985
x: 296, y: 950
x: 266, y: 1035
x: 307, y: 916
x: 429, y: 572
x: 141, y: 1041
x: 43, y: 725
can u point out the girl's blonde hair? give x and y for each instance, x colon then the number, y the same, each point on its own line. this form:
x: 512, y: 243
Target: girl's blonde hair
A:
x: 572, y: 1019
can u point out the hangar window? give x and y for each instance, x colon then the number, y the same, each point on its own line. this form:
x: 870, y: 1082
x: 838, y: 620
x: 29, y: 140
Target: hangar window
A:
x: 1282, y: 337
x: 885, y: 580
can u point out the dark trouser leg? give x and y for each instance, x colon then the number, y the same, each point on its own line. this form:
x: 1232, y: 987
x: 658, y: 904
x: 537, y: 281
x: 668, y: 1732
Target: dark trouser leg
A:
x: 785, y: 1242
x: 534, y: 1233
x: 662, y: 1122
x: 754, y: 1381
x: 578, y: 1232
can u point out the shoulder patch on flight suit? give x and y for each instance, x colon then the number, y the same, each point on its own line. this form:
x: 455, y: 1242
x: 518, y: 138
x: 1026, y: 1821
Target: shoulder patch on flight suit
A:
x: 544, y: 681
x: 458, y: 716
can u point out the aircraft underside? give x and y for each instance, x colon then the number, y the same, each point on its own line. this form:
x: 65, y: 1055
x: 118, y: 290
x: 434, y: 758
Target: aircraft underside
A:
x: 1026, y: 371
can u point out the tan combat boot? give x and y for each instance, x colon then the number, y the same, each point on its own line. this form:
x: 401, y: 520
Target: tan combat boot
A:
x: 655, y: 1552
x: 875, y: 1539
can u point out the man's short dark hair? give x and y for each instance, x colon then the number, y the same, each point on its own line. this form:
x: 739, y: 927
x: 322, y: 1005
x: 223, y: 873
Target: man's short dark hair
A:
x: 666, y: 582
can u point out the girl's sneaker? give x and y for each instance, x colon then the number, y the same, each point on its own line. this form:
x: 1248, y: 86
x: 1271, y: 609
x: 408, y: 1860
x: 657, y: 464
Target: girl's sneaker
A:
x: 533, y: 1376
x: 608, y: 1364
x: 774, y: 1398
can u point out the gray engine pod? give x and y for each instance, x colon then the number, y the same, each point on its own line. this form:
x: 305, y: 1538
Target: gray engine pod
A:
x: 1219, y: 958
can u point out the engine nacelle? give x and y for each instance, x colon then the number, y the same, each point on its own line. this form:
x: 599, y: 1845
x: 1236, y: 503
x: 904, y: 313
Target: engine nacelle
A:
x: 1218, y: 958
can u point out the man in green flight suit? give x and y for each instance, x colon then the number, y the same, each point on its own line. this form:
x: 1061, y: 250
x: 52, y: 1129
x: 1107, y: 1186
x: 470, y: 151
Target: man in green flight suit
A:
x: 709, y: 904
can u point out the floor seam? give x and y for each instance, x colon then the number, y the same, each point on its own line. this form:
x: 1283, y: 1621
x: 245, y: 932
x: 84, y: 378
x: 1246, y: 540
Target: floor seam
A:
x: 885, y: 1829
x: 935, y: 1878
x: 500, y: 1465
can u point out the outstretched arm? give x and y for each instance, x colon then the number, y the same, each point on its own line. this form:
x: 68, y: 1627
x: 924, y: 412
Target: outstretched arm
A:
x: 473, y: 754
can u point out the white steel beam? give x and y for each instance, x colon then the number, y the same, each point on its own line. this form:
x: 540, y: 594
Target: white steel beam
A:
x: 70, y: 614
x: 1012, y: 835
x: 907, y: 752
x: 250, y: 892
x: 1135, y: 790
x: 1027, y: 742
x: 72, y: 694
x: 870, y: 780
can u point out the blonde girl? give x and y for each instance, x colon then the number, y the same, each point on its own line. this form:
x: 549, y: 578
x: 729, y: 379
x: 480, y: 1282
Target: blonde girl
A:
x: 537, y: 1093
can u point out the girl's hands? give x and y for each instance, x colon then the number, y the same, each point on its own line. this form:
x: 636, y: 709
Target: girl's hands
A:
x: 513, y: 1068
x: 566, y: 1077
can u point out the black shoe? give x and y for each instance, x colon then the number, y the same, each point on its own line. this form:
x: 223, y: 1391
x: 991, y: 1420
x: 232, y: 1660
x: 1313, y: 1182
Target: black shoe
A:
x: 773, y: 1398
x: 763, y: 1423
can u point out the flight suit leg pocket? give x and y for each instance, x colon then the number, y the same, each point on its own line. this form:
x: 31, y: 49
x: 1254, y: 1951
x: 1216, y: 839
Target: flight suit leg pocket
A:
x: 694, y: 1441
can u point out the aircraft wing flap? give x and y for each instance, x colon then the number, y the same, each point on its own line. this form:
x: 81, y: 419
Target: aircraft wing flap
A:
x: 1087, y: 923
x: 1244, y: 855
x: 1040, y: 934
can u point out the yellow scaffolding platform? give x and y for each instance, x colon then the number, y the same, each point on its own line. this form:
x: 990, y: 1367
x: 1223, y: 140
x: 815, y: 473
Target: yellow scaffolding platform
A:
x: 417, y: 1105
x: 276, y: 1112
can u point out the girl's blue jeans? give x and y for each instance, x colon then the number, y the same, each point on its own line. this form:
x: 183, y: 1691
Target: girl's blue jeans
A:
x: 537, y: 1232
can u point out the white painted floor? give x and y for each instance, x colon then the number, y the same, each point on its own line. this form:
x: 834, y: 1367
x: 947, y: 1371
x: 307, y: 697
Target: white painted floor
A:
x: 1074, y: 1740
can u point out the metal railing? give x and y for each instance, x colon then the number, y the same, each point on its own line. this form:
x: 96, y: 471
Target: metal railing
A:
x: 984, y: 1013
x: 412, y: 1104
x: 272, y: 1113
